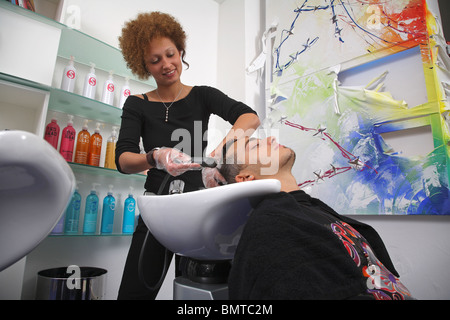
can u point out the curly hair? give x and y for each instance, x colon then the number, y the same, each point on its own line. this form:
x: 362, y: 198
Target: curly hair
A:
x: 137, y: 34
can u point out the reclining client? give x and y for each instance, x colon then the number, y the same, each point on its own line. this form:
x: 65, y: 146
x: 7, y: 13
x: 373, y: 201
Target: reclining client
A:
x: 295, y: 246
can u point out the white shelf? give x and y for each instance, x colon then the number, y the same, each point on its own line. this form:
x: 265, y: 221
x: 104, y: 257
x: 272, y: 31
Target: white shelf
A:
x: 22, y: 108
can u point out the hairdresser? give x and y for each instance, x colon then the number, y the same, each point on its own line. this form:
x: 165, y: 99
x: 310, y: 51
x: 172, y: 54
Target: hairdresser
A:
x: 171, y: 121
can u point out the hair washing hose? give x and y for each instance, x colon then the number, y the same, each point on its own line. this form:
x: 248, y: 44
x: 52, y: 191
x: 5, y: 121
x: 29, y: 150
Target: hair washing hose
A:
x: 166, y: 253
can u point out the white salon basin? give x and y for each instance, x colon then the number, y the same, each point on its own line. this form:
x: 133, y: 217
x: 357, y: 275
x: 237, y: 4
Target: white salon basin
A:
x: 36, y: 184
x: 205, y: 224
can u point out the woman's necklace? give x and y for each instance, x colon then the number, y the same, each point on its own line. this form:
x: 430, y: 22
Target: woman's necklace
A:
x: 168, y: 107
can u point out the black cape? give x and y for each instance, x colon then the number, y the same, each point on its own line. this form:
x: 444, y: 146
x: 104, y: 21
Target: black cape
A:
x: 287, y: 252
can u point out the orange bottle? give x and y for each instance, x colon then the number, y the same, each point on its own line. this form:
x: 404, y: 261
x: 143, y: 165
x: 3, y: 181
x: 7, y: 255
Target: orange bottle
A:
x: 82, y: 148
x: 110, y: 156
x: 95, y: 148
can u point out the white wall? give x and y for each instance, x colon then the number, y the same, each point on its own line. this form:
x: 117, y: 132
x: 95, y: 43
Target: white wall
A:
x: 104, y: 19
x: 241, y: 26
x: 420, y: 249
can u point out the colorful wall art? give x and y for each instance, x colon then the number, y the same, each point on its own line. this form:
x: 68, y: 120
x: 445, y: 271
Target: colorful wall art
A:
x: 346, y: 76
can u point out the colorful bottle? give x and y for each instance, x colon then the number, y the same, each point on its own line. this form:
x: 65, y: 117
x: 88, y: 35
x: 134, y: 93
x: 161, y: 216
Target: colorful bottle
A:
x: 69, y: 76
x: 52, y: 133
x: 129, y: 213
x: 124, y: 93
x: 109, y: 205
x: 91, y: 212
x: 68, y: 140
x: 90, y: 83
x: 108, y: 90
x: 59, y: 227
x: 110, y: 157
x: 73, y: 214
x: 82, y: 149
x: 95, y: 147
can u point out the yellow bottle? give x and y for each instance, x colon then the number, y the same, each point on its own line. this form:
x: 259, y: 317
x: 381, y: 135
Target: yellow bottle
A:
x: 82, y: 148
x: 110, y: 157
x: 95, y: 148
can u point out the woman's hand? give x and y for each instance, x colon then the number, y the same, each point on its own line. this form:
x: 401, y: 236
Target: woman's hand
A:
x: 212, y: 178
x: 173, y: 161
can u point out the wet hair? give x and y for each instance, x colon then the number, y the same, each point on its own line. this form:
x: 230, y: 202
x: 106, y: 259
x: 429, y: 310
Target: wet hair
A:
x: 229, y: 168
x: 137, y: 34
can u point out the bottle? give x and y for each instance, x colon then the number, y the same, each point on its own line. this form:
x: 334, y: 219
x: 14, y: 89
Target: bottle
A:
x: 95, y: 147
x: 52, y: 133
x: 73, y: 214
x: 68, y: 140
x: 69, y: 76
x: 129, y: 213
x: 109, y: 205
x: 108, y: 90
x: 82, y: 149
x: 110, y: 157
x: 124, y: 93
x: 59, y: 227
x: 90, y: 83
x: 91, y: 211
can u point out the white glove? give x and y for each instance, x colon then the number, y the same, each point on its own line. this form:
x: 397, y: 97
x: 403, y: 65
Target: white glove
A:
x: 173, y: 161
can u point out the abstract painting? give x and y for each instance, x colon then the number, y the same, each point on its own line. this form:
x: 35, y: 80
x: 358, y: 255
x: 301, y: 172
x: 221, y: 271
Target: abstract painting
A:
x: 338, y: 129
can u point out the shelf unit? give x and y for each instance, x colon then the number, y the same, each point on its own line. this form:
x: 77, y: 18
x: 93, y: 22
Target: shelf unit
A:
x: 27, y: 102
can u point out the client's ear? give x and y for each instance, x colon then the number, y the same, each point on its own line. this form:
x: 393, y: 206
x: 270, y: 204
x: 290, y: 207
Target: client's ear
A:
x: 242, y: 177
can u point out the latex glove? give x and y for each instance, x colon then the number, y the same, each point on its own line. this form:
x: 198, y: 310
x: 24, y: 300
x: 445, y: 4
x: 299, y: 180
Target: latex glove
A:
x: 212, y: 178
x: 173, y: 161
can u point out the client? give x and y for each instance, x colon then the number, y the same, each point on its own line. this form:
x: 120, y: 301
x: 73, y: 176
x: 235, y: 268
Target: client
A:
x: 295, y: 246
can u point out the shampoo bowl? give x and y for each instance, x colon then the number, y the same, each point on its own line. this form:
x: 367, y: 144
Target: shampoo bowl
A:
x: 204, y: 224
x: 36, y: 184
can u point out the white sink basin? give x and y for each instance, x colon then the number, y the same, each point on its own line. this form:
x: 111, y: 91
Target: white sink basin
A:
x: 205, y: 224
x: 36, y: 184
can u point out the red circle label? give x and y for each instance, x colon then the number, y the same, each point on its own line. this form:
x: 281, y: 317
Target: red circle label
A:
x: 70, y: 74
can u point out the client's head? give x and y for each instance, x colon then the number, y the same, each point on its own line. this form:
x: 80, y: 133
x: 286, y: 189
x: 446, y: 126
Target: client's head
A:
x: 249, y: 159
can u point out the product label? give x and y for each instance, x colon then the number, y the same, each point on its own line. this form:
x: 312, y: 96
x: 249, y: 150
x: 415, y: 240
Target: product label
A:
x: 126, y: 92
x: 110, y: 87
x: 112, y: 205
x: 70, y: 74
x: 70, y: 135
x: 84, y: 138
x: 92, y: 81
x: 77, y: 205
x: 51, y: 131
x: 92, y: 207
x: 130, y: 207
x: 81, y: 157
x: 97, y: 141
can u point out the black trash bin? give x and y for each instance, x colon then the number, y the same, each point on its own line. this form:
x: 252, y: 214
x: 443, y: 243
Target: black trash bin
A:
x: 65, y: 283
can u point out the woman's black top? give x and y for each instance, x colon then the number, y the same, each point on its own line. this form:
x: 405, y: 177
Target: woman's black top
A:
x: 185, y: 130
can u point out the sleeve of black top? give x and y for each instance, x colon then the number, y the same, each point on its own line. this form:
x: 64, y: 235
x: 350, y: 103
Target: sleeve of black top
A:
x: 222, y: 105
x: 130, y: 131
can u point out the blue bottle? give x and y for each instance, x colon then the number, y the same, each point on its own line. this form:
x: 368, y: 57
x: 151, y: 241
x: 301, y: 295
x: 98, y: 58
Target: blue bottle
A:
x: 128, y: 214
x: 109, y: 205
x: 91, y: 212
x: 73, y: 214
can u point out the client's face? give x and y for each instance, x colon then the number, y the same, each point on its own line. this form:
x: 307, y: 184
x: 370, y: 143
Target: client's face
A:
x: 263, y: 157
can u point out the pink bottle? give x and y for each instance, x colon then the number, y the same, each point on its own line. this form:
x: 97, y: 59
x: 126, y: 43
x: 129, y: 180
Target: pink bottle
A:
x: 52, y: 133
x: 68, y: 140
